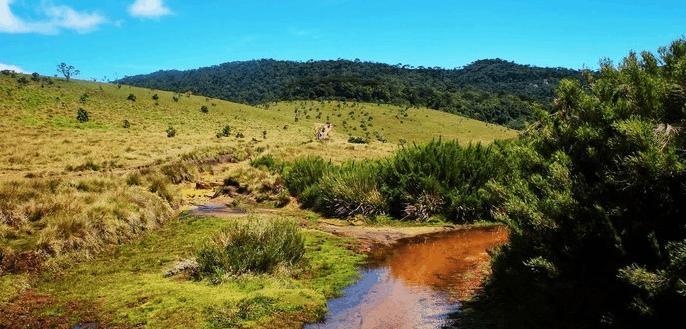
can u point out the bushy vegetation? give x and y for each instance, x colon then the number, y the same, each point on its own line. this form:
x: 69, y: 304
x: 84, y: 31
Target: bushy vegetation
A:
x: 256, y: 246
x: 596, y: 213
x: 441, y: 178
x: 496, y: 91
x: 82, y: 115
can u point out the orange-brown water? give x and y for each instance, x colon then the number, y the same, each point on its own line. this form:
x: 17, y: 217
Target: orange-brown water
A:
x: 417, y: 283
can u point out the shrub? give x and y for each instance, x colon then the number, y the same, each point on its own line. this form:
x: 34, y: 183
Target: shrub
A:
x: 357, y: 140
x: 596, y: 217
x: 35, y: 76
x: 82, y: 115
x: 204, y: 109
x: 256, y: 246
x: 126, y: 124
x: 225, y: 132
x: 155, y: 97
x: 131, y: 97
x: 441, y: 178
x: 265, y: 161
x: 171, y: 132
x: 352, y: 189
x: 305, y: 172
x: 177, y: 172
x: 83, y: 98
x: 22, y: 81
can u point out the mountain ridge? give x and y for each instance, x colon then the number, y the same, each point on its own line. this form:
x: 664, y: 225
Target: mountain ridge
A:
x: 493, y: 90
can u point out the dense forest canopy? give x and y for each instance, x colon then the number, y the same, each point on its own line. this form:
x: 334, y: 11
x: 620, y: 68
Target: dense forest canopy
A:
x: 494, y: 90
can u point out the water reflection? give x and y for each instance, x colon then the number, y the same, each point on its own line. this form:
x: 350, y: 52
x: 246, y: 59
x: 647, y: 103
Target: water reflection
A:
x: 417, y: 283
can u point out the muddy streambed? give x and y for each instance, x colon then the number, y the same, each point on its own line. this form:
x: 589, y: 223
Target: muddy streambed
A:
x: 417, y: 282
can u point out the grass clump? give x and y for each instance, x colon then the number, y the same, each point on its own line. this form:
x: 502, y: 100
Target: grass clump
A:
x: 266, y: 162
x: 437, y: 179
x: 304, y: 173
x: 358, y: 140
x: 252, y: 247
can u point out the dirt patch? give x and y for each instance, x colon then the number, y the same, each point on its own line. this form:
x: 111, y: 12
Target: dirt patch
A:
x: 23, y: 262
x: 368, y: 238
x: 33, y: 310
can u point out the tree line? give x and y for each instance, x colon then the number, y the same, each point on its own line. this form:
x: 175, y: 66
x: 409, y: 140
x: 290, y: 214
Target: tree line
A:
x: 494, y: 90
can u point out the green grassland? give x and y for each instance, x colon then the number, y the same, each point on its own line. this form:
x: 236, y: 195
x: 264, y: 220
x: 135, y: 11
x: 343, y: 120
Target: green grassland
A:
x: 98, y: 203
x: 39, y: 133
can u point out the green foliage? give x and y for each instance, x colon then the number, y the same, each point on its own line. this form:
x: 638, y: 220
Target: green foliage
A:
x: 268, y: 162
x: 304, y: 173
x: 171, y: 132
x: 82, y: 115
x: 131, y: 97
x: 596, y: 212
x: 204, y: 109
x: 22, y: 81
x: 225, y: 132
x: 440, y: 178
x: 126, y: 124
x: 258, y: 246
x: 358, y: 140
x: 496, y: 91
x: 155, y: 97
x: 349, y: 190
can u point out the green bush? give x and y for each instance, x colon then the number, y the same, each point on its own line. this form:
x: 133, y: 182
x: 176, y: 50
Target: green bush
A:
x: 256, y: 246
x: 204, y: 109
x: 305, y: 172
x: 171, y: 132
x: 596, y: 213
x: 352, y: 189
x: 266, y: 162
x: 442, y: 177
x: 358, y: 140
x: 131, y: 97
x: 82, y: 115
x: 126, y: 124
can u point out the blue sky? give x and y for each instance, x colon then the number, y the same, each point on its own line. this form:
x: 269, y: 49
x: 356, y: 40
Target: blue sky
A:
x: 115, y: 38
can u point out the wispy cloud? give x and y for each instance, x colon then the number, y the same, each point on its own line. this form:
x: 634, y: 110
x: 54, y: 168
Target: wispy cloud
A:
x: 11, y: 68
x: 149, y: 9
x: 56, y: 18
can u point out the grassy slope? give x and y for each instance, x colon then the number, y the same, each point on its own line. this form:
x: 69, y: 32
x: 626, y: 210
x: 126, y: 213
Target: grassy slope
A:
x: 40, y: 137
x: 39, y: 132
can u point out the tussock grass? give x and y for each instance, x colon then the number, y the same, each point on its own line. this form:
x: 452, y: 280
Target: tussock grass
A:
x: 255, y: 246
x: 440, y: 178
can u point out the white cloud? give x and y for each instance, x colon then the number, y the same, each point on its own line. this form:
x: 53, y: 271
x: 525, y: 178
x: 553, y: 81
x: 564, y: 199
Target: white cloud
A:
x: 149, y: 8
x: 11, y: 68
x: 57, y: 18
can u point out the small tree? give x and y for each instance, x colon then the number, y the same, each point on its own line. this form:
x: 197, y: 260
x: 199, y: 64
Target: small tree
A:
x: 67, y: 70
x: 35, y: 76
x: 82, y: 115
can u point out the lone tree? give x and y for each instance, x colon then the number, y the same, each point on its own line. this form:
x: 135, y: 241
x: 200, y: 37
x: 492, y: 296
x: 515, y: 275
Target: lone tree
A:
x: 67, y: 70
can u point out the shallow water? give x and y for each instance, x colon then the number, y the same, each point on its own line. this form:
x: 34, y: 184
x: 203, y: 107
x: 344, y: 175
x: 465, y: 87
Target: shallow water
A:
x: 417, y: 283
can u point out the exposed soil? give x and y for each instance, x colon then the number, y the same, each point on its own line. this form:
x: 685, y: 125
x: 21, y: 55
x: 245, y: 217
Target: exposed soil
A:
x: 369, y: 238
x: 31, y: 310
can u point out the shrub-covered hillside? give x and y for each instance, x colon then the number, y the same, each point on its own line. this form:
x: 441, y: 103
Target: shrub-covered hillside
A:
x: 496, y: 91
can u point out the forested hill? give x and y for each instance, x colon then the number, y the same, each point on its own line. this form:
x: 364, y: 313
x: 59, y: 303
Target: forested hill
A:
x: 493, y: 90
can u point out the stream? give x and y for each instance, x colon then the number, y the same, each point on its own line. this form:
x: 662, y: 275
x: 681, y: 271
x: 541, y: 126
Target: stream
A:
x: 416, y: 283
